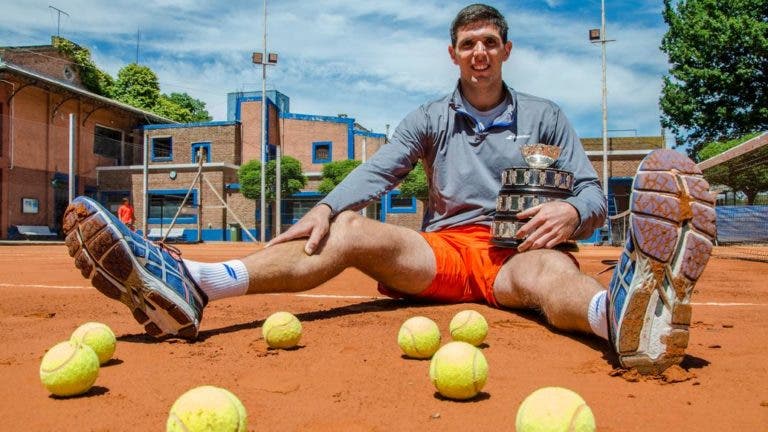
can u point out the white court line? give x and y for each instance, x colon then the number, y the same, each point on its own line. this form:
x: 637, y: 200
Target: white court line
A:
x: 7, y: 285
x: 334, y: 296
x: 727, y: 304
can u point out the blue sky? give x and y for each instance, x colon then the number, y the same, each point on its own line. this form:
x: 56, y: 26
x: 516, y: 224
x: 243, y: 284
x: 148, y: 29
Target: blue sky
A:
x: 374, y: 61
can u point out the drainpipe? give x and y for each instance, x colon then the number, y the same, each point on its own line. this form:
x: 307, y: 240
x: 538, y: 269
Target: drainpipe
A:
x: 10, y: 131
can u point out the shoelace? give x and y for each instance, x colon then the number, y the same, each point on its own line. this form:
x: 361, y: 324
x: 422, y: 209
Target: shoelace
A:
x: 174, y: 252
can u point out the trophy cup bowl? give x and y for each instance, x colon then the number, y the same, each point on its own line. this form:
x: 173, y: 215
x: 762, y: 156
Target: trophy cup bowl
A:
x: 526, y: 187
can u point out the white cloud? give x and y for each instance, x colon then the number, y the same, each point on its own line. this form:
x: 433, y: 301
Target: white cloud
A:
x: 375, y: 61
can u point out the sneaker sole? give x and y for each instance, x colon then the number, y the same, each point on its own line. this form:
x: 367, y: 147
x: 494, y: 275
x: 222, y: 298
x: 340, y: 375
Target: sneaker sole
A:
x: 96, y: 245
x: 672, y: 225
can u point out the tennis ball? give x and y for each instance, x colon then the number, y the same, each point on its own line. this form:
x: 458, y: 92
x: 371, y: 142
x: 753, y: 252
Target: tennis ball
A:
x: 69, y: 368
x: 282, y: 330
x: 207, y: 408
x: 419, y: 337
x: 469, y: 326
x: 99, y: 337
x: 458, y: 370
x: 554, y: 409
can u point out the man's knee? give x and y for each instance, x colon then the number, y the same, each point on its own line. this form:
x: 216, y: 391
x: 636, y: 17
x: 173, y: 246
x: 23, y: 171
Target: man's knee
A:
x: 347, y: 229
x: 527, y: 279
x: 349, y: 220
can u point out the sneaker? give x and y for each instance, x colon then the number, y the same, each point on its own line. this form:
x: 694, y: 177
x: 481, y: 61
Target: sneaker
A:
x: 671, y: 230
x: 151, y: 279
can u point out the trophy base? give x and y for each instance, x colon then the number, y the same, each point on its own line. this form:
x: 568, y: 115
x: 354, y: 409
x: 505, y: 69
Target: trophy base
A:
x: 504, y: 233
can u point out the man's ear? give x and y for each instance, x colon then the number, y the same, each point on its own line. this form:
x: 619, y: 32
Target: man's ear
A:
x: 507, y: 49
x: 452, y: 53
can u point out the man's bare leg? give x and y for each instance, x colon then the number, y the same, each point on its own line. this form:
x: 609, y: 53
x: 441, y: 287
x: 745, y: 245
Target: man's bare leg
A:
x: 396, y: 256
x: 549, y: 281
x: 164, y: 296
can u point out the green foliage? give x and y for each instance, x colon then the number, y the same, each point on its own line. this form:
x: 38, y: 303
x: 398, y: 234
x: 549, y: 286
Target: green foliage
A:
x: 292, y: 178
x: 415, y: 184
x: 93, y: 78
x: 138, y: 86
x: 715, y: 148
x: 334, y: 172
x: 718, y: 52
x: 194, y: 107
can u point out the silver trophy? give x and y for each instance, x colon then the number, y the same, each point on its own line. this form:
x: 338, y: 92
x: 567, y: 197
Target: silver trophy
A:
x: 526, y: 187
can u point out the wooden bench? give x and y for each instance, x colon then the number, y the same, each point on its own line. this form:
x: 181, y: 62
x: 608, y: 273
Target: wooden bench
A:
x: 30, y: 232
x: 175, y: 234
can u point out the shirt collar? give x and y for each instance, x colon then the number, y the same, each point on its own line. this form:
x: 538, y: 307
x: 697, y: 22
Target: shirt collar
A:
x: 507, y: 116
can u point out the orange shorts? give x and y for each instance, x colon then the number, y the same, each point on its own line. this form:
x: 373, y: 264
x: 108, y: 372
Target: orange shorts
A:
x: 466, y: 263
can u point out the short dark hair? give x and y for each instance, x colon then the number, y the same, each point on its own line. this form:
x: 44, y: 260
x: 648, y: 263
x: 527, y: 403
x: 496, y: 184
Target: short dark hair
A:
x: 125, y: 199
x: 479, y: 12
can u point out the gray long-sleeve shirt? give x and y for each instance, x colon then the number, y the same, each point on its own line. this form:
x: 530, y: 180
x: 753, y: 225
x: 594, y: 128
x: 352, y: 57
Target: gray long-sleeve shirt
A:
x: 464, y: 164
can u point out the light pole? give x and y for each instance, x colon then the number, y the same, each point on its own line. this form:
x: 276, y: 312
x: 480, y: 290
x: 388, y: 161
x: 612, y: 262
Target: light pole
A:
x: 271, y: 59
x: 598, y: 36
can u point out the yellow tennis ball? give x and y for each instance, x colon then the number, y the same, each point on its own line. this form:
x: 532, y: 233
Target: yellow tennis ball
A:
x: 554, y: 409
x: 281, y: 330
x: 419, y: 337
x: 458, y: 370
x: 469, y: 326
x: 69, y: 368
x: 99, y: 337
x: 207, y: 408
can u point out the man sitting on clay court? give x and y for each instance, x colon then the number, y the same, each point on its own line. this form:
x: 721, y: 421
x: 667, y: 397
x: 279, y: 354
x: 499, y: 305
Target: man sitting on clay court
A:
x: 464, y: 139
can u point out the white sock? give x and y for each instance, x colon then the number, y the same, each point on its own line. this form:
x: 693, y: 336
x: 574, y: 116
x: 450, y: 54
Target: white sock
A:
x: 597, y: 315
x: 219, y: 280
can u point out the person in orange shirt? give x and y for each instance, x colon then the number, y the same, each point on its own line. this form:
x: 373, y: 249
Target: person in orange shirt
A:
x: 126, y: 215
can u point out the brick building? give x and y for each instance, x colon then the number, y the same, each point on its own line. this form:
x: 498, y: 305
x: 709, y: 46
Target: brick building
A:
x: 39, y: 88
x: 624, y: 156
x: 172, y: 168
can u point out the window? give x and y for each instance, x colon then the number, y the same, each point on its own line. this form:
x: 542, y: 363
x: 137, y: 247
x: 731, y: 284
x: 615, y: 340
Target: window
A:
x: 398, y: 204
x: 321, y: 152
x: 163, y: 205
x: 205, y: 147
x: 108, y: 143
x: 162, y: 149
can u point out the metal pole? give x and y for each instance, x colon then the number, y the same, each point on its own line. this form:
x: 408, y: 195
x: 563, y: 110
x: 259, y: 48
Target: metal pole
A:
x: 605, y: 102
x: 72, y: 125
x: 200, y: 196
x: 263, y: 232
x: 278, y: 191
x: 362, y: 159
x: 144, y: 188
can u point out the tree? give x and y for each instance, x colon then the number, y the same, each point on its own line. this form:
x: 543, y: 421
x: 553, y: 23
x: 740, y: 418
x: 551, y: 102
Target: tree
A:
x: 292, y: 178
x: 138, y: 86
x: 718, y: 52
x: 415, y: 184
x: 740, y: 174
x: 334, y: 173
x: 193, y: 110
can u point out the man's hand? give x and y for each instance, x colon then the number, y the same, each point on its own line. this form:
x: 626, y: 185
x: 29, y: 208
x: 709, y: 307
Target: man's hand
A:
x: 551, y: 224
x: 315, y: 225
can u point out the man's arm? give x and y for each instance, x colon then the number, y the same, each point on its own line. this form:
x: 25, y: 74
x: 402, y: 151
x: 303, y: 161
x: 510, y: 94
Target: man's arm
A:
x: 369, y: 181
x: 573, y: 218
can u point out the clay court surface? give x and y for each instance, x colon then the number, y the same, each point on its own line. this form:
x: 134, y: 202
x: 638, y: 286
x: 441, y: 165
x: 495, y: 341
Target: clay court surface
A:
x: 349, y: 375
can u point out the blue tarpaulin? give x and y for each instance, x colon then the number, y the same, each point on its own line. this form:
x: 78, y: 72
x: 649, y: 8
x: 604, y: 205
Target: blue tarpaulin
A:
x: 742, y: 224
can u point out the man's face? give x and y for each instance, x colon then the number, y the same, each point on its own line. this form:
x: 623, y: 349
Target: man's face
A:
x: 479, y: 53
